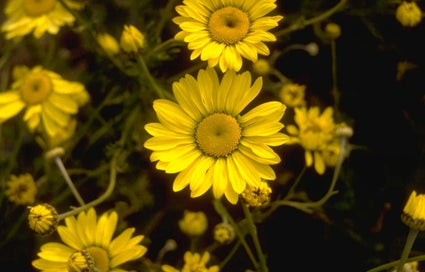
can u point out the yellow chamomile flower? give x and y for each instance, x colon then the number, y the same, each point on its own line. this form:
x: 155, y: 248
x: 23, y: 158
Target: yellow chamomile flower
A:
x: 43, y: 219
x: 314, y: 133
x: 257, y: 196
x: 61, y: 139
x: 408, y: 13
x: 132, y: 40
x: 193, y: 262
x: 108, y: 43
x: 49, y: 100
x: 87, y: 240
x: 224, y: 233
x: 261, y: 67
x: 193, y: 223
x: 205, y: 138
x: 413, y: 214
x: 37, y: 16
x: 293, y: 95
x: 21, y: 189
x: 222, y: 32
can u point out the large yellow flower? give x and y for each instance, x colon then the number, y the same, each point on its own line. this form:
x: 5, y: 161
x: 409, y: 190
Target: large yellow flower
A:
x: 91, y: 239
x: 48, y: 98
x: 224, y: 31
x: 315, y: 133
x: 39, y: 16
x: 205, y: 138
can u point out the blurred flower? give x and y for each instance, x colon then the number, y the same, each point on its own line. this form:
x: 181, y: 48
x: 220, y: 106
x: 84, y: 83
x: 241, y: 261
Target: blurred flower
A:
x: 312, y: 48
x: 60, y: 139
x: 333, y: 30
x: 193, y: 262
x: 193, y: 223
x: 204, y: 137
x: 43, y: 219
x: 108, y: 43
x: 293, y: 95
x: 414, y: 212
x: 408, y: 13
x: 223, y: 32
x: 37, y: 16
x: 21, y: 189
x: 314, y: 133
x: 261, y: 67
x: 224, y: 233
x: 47, y: 97
x: 131, y: 39
x: 92, y: 235
x: 330, y: 153
x: 257, y: 196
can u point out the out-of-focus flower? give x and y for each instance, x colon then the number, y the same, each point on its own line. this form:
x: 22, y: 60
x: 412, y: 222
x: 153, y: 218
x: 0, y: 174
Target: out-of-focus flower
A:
x: 314, y: 133
x: 413, y: 214
x: 223, y: 32
x: 224, y: 233
x: 204, y: 137
x: 193, y: 223
x: 293, y: 95
x: 330, y: 153
x: 21, y: 189
x: 132, y: 40
x: 50, y: 101
x: 257, y: 196
x: 87, y: 238
x: 408, y: 13
x: 37, y: 16
x: 43, y: 219
x: 60, y: 139
x: 108, y: 43
x: 193, y: 262
x: 312, y: 48
x: 261, y: 67
x: 333, y: 30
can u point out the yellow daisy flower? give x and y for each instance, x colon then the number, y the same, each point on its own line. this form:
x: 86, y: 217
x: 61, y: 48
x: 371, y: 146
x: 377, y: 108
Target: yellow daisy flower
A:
x: 193, y: 262
x: 37, y: 16
x: 193, y: 223
x: 314, y: 133
x: 408, y: 14
x: 205, y: 138
x: 48, y: 98
x: 90, y: 237
x: 223, y: 32
x: 21, y: 189
x: 293, y: 95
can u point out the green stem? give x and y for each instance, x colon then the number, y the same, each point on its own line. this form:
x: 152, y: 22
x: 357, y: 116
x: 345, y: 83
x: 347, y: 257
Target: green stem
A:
x: 68, y: 180
x: 335, y: 91
x: 394, y: 263
x: 291, y: 191
x: 148, y: 75
x: 254, y: 234
x: 230, y: 255
x: 411, y: 237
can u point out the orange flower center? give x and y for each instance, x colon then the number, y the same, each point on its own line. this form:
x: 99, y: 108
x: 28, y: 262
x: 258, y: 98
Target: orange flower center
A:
x: 36, y: 88
x: 35, y: 8
x: 228, y: 25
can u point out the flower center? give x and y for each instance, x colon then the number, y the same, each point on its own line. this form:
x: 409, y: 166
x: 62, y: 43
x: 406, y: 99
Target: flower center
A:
x: 228, y: 25
x: 218, y: 135
x: 100, y: 258
x: 36, y: 88
x: 36, y: 8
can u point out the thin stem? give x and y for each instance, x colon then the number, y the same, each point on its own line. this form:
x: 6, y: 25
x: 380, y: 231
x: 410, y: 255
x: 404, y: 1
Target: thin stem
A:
x: 230, y: 255
x: 68, y: 180
x: 394, y: 263
x: 411, y: 237
x: 151, y: 80
x: 254, y: 234
x: 335, y: 91
x: 291, y: 191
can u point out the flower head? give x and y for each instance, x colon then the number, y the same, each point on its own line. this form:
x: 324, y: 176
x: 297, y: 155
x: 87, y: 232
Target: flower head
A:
x: 408, y: 14
x: 37, y: 16
x: 131, y: 39
x: 108, y: 43
x: 50, y: 101
x: 314, y: 133
x: 222, y: 32
x: 21, y: 189
x: 414, y: 212
x: 193, y: 223
x: 88, y: 239
x: 193, y: 262
x: 224, y: 233
x: 261, y: 67
x: 293, y: 95
x: 43, y: 219
x: 205, y: 138
x: 257, y: 196
x: 333, y: 30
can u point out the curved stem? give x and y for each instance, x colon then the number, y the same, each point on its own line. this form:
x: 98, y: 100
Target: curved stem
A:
x: 230, y: 255
x: 68, y: 180
x: 394, y: 263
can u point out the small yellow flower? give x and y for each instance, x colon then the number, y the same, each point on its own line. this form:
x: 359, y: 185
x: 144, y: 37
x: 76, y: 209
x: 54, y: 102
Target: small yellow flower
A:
x: 131, y: 39
x: 293, y: 95
x: 333, y: 30
x: 79, y: 261
x: 414, y: 212
x: 37, y: 16
x: 21, y: 189
x: 408, y: 14
x: 261, y: 67
x: 50, y: 101
x: 257, y: 196
x: 193, y: 223
x: 330, y: 154
x: 193, y: 262
x: 224, y: 233
x: 108, y: 43
x: 43, y: 219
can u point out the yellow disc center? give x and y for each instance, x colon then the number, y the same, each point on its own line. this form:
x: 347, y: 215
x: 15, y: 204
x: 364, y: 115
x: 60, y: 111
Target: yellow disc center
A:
x: 35, y: 8
x: 218, y: 135
x: 36, y: 88
x: 228, y: 25
x: 100, y: 258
